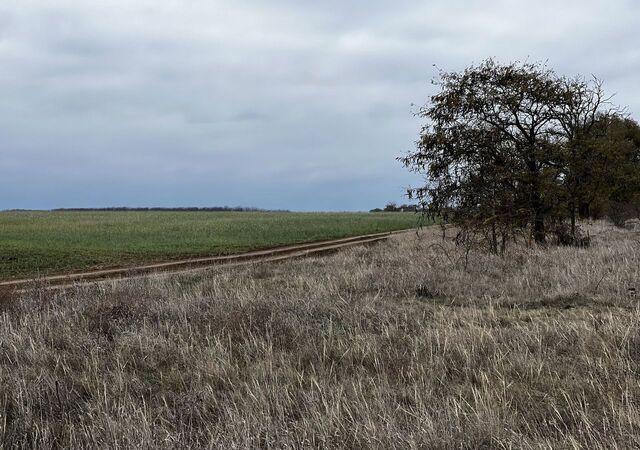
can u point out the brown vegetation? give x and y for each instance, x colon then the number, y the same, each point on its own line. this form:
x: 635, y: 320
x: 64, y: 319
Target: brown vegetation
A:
x: 396, y: 345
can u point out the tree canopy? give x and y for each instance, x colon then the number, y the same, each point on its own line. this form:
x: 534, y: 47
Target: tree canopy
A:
x: 508, y: 147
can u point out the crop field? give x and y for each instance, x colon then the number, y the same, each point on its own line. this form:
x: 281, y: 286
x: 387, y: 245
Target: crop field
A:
x: 40, y: 243
x: 394, y: 345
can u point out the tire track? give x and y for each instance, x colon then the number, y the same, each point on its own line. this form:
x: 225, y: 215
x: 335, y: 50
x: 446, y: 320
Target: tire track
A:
x: 193, y: 264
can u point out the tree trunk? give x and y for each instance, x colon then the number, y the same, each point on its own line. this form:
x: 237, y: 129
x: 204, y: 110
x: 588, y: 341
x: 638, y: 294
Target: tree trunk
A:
x: 494, y: 239
x: 538, y: 227
x: 537, y: 205
x: 572, y: 208
x: 585, y: 210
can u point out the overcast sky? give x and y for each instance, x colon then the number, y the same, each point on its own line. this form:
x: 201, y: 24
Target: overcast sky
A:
x: 277, y: 104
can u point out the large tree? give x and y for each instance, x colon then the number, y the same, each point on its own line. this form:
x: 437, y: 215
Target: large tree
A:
x: 495, y: 147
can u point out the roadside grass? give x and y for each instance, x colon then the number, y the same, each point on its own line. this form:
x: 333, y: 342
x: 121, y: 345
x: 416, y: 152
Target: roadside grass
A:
x: 396, y: 345
x: 42, y: 243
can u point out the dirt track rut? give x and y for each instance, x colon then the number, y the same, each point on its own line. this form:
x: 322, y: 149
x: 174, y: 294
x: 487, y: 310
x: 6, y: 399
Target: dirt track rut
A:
x: 195, y: 264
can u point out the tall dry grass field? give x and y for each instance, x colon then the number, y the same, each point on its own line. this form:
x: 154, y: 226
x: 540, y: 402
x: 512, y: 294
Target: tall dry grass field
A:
x: 396, y: 345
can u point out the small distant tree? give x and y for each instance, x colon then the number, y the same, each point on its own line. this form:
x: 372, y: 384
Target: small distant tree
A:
x: 505, y: 147
x: 391, y: 207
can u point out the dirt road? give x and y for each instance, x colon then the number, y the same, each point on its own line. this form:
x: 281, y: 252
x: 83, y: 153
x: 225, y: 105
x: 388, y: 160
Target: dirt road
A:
x: 194, y: 264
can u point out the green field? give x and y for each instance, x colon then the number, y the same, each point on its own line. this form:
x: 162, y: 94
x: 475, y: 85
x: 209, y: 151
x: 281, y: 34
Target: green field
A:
x: 41, y: 243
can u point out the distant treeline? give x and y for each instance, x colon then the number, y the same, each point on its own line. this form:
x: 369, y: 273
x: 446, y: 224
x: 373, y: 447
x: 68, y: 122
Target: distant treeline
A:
x: 392, y: 207
x: 181, y: 209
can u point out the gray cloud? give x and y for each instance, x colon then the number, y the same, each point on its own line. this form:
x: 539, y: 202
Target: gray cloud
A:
x: 282, y: 104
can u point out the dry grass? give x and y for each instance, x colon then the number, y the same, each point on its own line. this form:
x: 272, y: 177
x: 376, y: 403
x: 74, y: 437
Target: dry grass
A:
x: 389, y: 346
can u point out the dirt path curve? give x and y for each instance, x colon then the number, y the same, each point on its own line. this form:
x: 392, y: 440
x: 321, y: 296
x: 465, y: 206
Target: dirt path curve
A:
x: 196, y: 264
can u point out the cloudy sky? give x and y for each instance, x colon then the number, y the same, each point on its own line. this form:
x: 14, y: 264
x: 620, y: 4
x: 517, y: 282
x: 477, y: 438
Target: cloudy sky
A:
x: 276, y: 104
